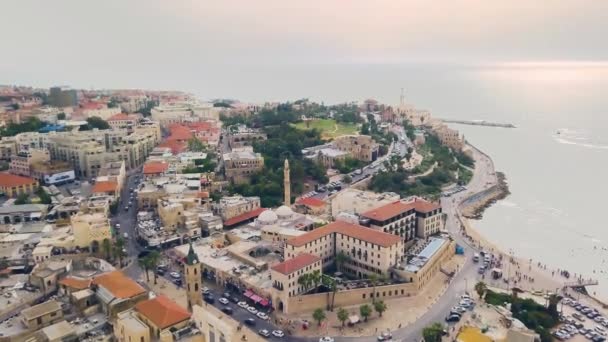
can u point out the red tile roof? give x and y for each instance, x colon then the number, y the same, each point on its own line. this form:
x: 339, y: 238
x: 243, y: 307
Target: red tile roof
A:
x: 311, y: 202
x: 390, y: 210
x: 8, y: 180
x: 350, y: 229
x: 119, y: 285
x: 76, y: 283
x: 155, y: 167
x: 244, y: 217
x: 162, y: 311
x: 105, y: 187
x: 295, y: 264
x: 175, y: 146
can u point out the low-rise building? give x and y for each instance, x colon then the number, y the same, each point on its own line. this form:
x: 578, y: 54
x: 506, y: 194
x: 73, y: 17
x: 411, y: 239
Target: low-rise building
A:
x: 162, y: 316
x: 361, y: 147
x: 13, y: 186
x: 232, y: 206
x: 421, y: 268
x: 123, y: 121
x: 241, y: 136
x: 116, y: 292
x: 311, y: 205
x: 8, y: 148
x: 241, y: 163
x: 90, y: 230
x: 53, y: 172
x: 285, y: 275
x: 42, y: 315
x: 21, y: 162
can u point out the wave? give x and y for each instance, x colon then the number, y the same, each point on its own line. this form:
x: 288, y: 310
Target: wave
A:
x: 580, y: 138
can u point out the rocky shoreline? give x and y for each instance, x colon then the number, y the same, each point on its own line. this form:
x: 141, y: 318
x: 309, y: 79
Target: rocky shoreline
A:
x: 494, y: 194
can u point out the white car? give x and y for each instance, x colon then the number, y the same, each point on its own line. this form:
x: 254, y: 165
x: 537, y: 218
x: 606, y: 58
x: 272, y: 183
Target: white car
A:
x: 175, y: 275
x: 223, y: 301
x: 242, y: 304
x: 252, y: 310
x: 326, y: 339
x: 262, y: 315
x: 278, y: 333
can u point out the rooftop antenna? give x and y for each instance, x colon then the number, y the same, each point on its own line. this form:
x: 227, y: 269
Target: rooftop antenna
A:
x: 402, y: 98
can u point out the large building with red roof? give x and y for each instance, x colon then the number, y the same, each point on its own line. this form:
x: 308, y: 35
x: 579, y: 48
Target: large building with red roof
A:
x: 13, y: 185
x: 409, y: 219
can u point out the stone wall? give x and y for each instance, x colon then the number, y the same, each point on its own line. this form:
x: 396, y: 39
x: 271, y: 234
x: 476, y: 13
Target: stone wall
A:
x: 360, y: 296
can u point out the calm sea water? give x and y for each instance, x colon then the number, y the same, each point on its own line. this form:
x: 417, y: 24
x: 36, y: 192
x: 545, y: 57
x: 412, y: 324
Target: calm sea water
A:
x: 556, y: 213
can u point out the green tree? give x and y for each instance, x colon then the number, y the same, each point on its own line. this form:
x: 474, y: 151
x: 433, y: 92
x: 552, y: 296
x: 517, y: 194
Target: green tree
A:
x: 304, y: 281
x: 365, y: 310
x: 97, y: 122
x: 341, y: 259
x: 433, y: 332
x: 106, y: 247
x: 331, y: 284
x: 481, y: 288
x: 380, y: 307
x: 195, y: 145
x: 22, y: 199
x: 144, y: 263
x: 554, y: 299
x: 44, y: 197
x: 32, y: 124
x: 315, y: 278
x: 347, y: 179
x: 119, y: 253
x: 342, y: 315
x: 61, y: 116
x: 319, y: 315
x: 153, y: 261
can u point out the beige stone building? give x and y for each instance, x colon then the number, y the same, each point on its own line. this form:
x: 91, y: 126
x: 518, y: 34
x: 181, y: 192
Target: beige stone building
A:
x: 232, y: 206
x: 90, y: 230
x: 422, y: 267
x: 449, y: 137
x: 241, y: 163
x: 214, y: 325
x: 361, y: 147
x: 370, y: 251
x: 407, y: 219
x: 243, y: 136
x: 8, y: 148
x: 21, y: 162
x: 42, y: 315
x: 285, y: 275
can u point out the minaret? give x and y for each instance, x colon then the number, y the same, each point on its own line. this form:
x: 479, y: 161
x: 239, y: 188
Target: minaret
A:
x: 192, y: 271
x: 402, y: 98
x: 287, y: 183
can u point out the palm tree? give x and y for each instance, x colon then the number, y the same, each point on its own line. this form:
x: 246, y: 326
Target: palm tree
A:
x: 365, y: 311
x: 315, y: 278
x: 342, y: 315
x: 380, y: 307
x: 106, y: 248
x: 481, y: 288
x: 144, y: 263
x: 153, y: 260
x: 341, y: 259
x: 433, y: 332
x: 333, y: 286
x: 119, y: 253
x: 319, y: 315
x: 303, y: 281
x: 554, y: 299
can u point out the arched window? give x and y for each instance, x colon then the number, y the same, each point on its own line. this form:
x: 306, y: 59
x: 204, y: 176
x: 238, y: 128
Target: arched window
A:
x: 196, y: 287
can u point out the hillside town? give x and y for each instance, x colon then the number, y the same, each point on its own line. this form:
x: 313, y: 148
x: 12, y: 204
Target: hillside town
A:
x: 132, y: 215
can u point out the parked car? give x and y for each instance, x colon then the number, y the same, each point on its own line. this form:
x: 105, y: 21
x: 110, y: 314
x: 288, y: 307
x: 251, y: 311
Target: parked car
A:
x: 278, y: 333
x: 250, y: 321
x: 252, y: 310
x: 385, y: 336
x: 175, y: 275
x: 452, y: 318
x: 264, y: 332
x: 227, y: 310
x: 326, y: 339
x: 262, y: 315
x: 209, y: 299
x: 242, y: 304
x: 223, y: 301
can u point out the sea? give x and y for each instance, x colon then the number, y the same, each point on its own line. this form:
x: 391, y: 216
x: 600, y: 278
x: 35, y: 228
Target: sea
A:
x: 555, y: 160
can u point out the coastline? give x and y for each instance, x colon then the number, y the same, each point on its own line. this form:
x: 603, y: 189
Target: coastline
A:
x: 471, y: 208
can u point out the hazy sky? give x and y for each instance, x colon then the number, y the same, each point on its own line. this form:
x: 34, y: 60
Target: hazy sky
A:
x: 158, y: 43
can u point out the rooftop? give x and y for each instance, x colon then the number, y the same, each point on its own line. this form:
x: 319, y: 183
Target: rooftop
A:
x: 244, y: 217
x: 75, y: 283
x: 40, y: 309
x: 162, y: 311
x: 119, y: 284
x: 391, y: 210
x: 155, y: 167
x: 9, y: 180
x: 294, y: 264
x: 104, y: 187
x: 57, y: 331
x: 311, y: 202
x: 417, y: 262
x: 353, y: 230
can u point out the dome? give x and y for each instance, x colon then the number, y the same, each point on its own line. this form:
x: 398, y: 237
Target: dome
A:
x: 284, y: 212
x: 267, y: 217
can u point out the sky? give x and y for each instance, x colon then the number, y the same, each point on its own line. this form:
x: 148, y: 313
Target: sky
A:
x: 168, y: 43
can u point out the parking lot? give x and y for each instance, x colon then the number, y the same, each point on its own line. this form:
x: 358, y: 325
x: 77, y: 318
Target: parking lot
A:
x: 580, y: 321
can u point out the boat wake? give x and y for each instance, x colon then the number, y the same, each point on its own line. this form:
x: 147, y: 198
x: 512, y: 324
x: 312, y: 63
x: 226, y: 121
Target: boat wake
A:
x: 578, y: 138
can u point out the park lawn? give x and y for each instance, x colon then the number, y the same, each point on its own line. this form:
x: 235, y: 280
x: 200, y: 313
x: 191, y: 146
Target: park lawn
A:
x: 328, y: 128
